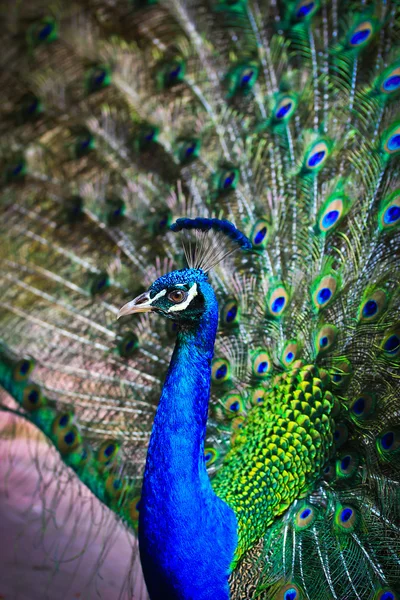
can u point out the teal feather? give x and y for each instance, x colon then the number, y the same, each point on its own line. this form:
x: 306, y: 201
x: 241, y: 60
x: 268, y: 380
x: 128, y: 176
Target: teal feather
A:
x: 278, y: 121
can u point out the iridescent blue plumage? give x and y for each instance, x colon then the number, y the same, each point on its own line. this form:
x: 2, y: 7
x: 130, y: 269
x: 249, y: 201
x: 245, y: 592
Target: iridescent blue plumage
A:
x: 184, y: 528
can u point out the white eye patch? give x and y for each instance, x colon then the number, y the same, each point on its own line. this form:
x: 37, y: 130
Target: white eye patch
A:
x: 191, y: 294
x: 159, y: 295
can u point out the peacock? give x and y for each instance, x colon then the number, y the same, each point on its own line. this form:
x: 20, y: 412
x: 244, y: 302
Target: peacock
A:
x: 200, y: 287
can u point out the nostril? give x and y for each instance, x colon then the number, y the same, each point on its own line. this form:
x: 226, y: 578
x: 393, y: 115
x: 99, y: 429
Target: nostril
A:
x: 142, y: 299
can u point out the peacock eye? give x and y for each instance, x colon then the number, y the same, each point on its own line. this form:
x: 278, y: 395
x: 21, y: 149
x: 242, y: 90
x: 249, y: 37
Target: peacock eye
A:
x: 177, y: 296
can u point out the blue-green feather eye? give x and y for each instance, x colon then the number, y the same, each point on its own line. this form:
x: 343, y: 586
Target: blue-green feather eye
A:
x: 260, y: 233
x: 30, y: 107
x: 146, y: 136
x: 389, y: 212
x: 22, y: 369
x: 277, y: 301
x: 341, y: 373
x: 385, y: 594
x: 284, y: 108
x: 220, y: 370
x: 290, y: 591
x: 363, y: 406
x: 257, y: 395
x: 33, y: 398
x: 261, y: 363
x: 340, y: 435
x: 290, y: 353
x: 388, y: 442
x: 66, y: 434
x: 241, y: 79
x: 316, y: 155
x: 305, y: 9
x: 107, y: 452
x: 347, y: 465
x: 388, y: 82
x: 16, y: 169
x: 100, y: 284
x: 128, y: 345
x: 372, y: 306
x: 188, y: 150
x: 84, y: 144
x: 324, y: 290
x: 228, y: 180
x: 346, y: 519
x: 134, y: 507
x: 305, y: 517
x: 391, y: 139
x: 44, y: 31
x: 326, y: 338
x: 361, y: 34
x: 116, y: 209
x: 170, y: 74
x: 98, y: 78
x: 210, y: 455
x: 390, y: 344
x: 332, y: 212
x: 230, y: 313
x: 234, y: 404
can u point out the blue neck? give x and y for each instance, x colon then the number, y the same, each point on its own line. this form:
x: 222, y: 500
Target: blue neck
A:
x: 187, y: 535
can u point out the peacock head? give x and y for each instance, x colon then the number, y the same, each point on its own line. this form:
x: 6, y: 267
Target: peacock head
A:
x: 182, y: 296
x: 185, y: 295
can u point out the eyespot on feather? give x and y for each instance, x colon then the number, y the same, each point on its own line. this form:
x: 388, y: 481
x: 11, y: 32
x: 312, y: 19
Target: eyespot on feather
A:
x: 390, y: 345
x: 107, y: 452
x: 341, y: 373
x: 340, y: 434
x: 389, y: 212
x: 134, y: 507
x: 385, y: 593
x: 33, y: 398
x: 220, y: 370
x: 289, y: 591
x: 326, y: 338
x: 241, y: 79
x: 188, y: 150
x: 388, y: 442
x: 290, y: 353
x: 363, y: 406
x: 361, y: 34
x: 388, y: 82
x: 324, y: 289
x: 347, y: 465
x: 391, y: 140
x: 22, y: 368
x: 228, y: 180
x: 316, y: 155
x: 97, y: 78
x: 128, y: 345
x: 284, y: 109
x: 233, y: 404
x: 305, y: 517
x: 277, y: 301
x: 305, y: 9
x: 331, y: 213
x: 345, y: 520
x: 372, y: 306
x: 230, y: 313
x: 260, y: 234
x: 261, y: 364
x: 210, y: 455
x: 257, y: 395
x: 43, y: 31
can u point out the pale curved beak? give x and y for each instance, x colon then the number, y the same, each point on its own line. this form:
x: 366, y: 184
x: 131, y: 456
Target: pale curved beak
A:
x: 140, y: 304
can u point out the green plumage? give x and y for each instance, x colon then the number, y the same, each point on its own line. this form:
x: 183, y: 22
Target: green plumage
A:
x: 282, y: 117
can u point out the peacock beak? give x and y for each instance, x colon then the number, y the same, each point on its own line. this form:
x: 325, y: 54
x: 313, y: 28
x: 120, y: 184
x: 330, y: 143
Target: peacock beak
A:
x: 140, y: 304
